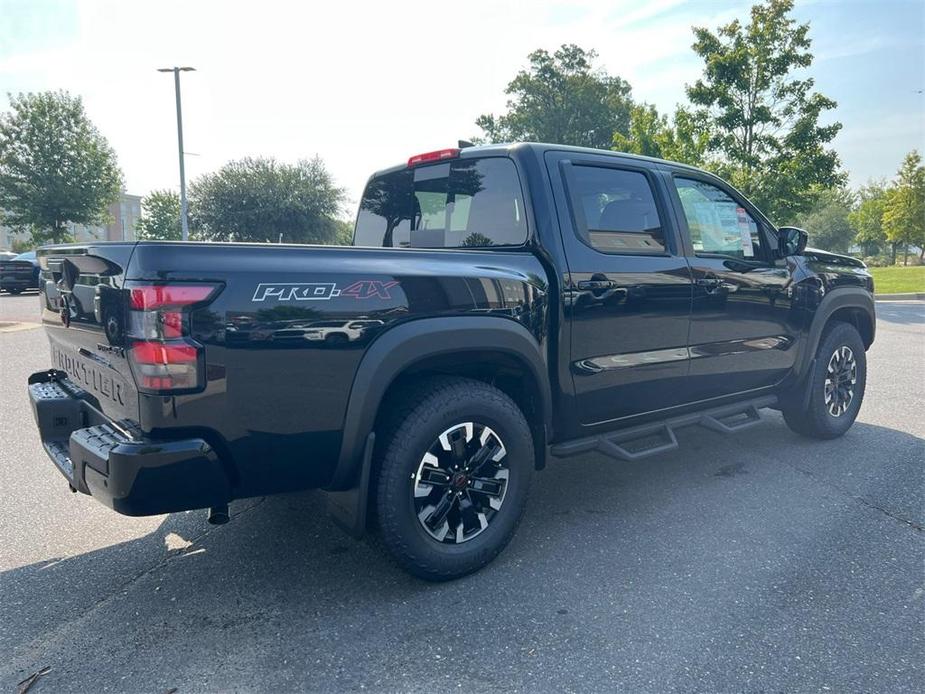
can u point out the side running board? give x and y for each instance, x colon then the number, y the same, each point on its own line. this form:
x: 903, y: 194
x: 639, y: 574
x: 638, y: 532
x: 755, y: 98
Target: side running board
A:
x: 636, y: 443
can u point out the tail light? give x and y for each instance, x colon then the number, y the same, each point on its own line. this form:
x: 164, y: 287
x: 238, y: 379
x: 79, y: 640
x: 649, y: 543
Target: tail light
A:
x: 162, y: 355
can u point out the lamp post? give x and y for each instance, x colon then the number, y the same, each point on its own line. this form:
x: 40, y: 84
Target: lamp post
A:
x: 184, y: 222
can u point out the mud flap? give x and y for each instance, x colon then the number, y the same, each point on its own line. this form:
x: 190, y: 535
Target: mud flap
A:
x: 348, y: 508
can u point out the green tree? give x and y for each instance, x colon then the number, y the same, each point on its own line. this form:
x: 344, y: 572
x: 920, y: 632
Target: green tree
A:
x: 867, y: 218
x: 21, y: 245
x: 344, y: 233
x: 649, y: 133
x: 562, y: 98
x: 904, y: 207
x: 264, y: 200
x: 160, y: 216
x: 764, y: 121
x: 55, y: 167
x: 685, y: 140
x: 827, y: 222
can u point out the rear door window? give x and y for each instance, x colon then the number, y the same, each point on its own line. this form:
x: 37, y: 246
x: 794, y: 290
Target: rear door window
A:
x: 615, y: 211
x: 466, y: 203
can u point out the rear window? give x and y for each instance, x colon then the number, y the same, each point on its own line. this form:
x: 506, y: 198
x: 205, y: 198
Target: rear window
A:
x: 466, y: 203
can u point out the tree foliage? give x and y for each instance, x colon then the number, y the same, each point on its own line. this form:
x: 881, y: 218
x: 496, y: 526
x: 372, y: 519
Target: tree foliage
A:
x: 562, y: 98
x: 343, y: 235
x: 904, y: 205
x: 55, y: 167
x: 828, y: 221
x: 867, y: 218
x: 764, y: 121
x: 160, y: 217
x: 264, y: 200
x: 684, y: 140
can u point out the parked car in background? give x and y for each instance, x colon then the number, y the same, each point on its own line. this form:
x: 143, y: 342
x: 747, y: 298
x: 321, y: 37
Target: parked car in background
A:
x: 19, y: 273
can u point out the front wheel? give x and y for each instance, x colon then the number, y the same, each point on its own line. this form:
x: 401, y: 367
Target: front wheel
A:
x: 454, y: 477
x: 836, y: 386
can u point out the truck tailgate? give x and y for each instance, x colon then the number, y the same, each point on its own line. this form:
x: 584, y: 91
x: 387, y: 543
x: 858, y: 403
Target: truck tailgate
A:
x: 85, y: 316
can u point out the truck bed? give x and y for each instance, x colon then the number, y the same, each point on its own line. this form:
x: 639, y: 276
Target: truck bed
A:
x: 282, y: 339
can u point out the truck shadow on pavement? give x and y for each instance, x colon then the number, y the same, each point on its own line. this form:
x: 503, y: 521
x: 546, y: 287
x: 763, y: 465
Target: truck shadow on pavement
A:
x: 280, y: 589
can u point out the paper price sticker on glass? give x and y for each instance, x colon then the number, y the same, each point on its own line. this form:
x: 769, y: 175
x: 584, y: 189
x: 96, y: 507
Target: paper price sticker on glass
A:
x: 718, y: 224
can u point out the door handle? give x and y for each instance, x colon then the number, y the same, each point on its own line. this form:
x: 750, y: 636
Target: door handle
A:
x: 710, y: 284
x: 596, y: 285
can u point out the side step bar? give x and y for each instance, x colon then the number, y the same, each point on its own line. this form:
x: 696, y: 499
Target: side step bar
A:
x: 636, y: 443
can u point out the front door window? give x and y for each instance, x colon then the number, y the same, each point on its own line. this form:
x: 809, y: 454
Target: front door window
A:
x: 719, y: 226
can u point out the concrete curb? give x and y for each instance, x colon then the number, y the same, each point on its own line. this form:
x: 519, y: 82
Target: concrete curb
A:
x: 911, y: 296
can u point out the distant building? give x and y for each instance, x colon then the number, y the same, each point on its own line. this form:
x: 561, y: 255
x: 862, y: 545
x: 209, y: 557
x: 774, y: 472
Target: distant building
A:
x: 123, y: 214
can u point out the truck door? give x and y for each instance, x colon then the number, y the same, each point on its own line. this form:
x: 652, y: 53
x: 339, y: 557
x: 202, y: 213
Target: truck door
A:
x: 627, y: 290
x: 742, y: 333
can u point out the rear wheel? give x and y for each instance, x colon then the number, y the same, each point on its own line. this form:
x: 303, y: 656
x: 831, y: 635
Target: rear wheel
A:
x: 454, y: 477
x: 836, y: 386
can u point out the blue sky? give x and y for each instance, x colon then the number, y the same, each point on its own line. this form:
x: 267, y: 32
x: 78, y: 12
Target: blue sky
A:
x: 365, y: 85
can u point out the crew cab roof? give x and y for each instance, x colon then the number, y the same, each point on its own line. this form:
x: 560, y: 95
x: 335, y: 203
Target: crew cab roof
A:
x: 539, y: 149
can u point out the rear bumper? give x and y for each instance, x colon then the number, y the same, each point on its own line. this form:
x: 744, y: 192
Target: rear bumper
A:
x: 115, y: 463
x: 17, y: 283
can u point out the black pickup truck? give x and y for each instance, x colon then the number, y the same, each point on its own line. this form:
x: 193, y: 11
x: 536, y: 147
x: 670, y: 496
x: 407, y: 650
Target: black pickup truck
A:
x: 501, y: 305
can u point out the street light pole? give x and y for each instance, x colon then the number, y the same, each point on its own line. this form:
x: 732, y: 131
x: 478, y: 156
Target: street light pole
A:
x: 184, y: 221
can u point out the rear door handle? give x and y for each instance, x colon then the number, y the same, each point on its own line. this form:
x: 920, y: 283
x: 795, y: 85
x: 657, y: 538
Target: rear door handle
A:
x: 596, y: 285
x: 710, y: 284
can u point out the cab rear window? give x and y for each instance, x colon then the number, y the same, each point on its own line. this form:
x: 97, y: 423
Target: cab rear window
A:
x: 465, y: 203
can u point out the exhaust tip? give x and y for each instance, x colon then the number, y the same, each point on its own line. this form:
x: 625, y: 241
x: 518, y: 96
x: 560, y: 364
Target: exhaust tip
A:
x: 218, y: 515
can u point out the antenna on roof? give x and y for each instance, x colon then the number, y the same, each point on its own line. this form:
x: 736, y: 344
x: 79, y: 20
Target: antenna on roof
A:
x: 462, y: 144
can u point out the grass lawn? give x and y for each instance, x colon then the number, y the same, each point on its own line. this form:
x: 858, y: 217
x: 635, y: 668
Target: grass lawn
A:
x: 898, y: 280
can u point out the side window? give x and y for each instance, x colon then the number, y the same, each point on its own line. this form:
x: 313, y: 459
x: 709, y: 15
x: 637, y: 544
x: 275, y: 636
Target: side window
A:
x: 718, y: 224
x: 615, y: 210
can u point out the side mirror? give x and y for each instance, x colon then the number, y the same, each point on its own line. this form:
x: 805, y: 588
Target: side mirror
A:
x: 791, y: 241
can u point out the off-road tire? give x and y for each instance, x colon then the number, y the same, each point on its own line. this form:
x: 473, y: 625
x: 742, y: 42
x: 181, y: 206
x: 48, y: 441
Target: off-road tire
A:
x: 417, y: 419
x: 810, y: 414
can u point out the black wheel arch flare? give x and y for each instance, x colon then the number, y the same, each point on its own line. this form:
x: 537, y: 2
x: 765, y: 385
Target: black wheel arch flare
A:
x: 401, y: 347
x: 834, y: 301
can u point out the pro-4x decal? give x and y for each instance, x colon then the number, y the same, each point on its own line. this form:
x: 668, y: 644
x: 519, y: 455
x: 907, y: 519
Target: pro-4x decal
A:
x: 322, y: 291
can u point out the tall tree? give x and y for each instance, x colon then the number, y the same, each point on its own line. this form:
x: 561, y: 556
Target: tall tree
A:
x: 685, y: 140
x: 160, y: 216
x: 827, y: 222
x: 55, y: 167
x: 649, y: 133
x: 764, y: 120
x: 867, y: 218
x: 265, y: 200
x: 904, y: 207
x: 562, y: 98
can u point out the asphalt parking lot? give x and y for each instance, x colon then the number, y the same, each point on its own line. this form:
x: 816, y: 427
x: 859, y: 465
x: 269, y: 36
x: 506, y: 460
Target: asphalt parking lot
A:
x: 754, y: 563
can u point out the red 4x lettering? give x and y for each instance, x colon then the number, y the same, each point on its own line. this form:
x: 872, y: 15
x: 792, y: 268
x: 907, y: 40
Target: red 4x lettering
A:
x: 367, y: 289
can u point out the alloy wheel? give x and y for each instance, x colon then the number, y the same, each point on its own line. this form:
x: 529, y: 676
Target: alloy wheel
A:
x: 460, y: 483
x: 840, y: 379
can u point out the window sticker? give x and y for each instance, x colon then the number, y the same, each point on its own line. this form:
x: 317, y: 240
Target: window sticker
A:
x: 745, y: 232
